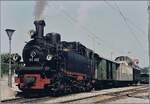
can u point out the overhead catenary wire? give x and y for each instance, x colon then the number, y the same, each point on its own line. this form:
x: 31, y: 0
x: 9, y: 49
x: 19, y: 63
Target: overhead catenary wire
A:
x: 130, y: 29
x: 96, y: 38
x: 90, y: 33
x: 72, y: 20
x: 127, y: 21
x: 136, y: 26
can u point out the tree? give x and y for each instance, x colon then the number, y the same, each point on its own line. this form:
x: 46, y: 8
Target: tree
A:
x: 5, y: 63
x: 145, y: 70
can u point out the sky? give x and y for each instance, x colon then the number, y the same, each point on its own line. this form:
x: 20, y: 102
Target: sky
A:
x: 110, y: 28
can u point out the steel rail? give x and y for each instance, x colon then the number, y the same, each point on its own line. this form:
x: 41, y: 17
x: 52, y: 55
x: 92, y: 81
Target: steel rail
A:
x: 46, y: 98
x: 111, y: 95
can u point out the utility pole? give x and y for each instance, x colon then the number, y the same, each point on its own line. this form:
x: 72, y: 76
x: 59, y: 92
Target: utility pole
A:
x: 9, y: 33
x: 149, y: 42
x: 149, y: 28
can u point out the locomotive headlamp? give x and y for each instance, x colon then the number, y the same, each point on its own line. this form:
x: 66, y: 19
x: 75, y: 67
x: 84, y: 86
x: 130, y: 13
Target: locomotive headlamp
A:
x: 16, y: 57
x: 49, y: 57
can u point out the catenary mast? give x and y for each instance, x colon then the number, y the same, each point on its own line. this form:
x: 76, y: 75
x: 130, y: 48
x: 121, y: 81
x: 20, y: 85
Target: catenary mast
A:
x: 149, y: 29
x: 149, y: 43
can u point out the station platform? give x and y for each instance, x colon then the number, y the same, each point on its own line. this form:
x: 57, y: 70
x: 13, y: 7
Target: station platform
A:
x: 7, y: 92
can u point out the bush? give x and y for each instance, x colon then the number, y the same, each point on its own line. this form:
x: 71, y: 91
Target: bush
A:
x: 5, y: 63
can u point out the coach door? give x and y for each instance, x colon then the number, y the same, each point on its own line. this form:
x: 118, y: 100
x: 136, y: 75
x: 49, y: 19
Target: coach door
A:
x: 101, y: 72
x: 109, y: 70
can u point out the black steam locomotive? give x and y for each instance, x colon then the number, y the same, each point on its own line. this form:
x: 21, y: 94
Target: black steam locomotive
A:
x: 59, y: 66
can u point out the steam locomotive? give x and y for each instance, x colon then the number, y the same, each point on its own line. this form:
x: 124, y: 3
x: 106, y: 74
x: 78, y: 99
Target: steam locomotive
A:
x: 60, y: 67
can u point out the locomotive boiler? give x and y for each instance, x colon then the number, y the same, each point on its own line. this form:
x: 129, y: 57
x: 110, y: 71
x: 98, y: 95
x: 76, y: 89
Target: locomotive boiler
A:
x: 54, y: 65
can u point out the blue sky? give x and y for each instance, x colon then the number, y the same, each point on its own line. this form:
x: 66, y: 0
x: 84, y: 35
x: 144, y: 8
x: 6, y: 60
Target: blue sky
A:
x: 84, y: 22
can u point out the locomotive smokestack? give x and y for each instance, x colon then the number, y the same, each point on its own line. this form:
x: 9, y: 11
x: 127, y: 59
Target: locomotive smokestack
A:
x: 39, y: 25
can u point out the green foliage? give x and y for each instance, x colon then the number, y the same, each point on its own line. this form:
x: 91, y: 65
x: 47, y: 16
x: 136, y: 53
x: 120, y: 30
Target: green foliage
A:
x: 4, y: 68
x: 5, y: 58
x: 145, y: 70
x: 5, y: 63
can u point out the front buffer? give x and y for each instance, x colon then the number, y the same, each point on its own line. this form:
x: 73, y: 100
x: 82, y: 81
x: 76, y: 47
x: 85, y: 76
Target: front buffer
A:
x: 31, y: 79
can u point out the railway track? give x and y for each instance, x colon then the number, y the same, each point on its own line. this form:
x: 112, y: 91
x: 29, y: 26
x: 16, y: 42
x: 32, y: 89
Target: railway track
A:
x: 25, y: 100
x: 121, y: 95
x: 99, y: 98
x: 112, y: 96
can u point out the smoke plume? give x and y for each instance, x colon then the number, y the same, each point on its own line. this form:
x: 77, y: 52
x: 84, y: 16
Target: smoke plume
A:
x: 39, y: 9
x: 83, y: 11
